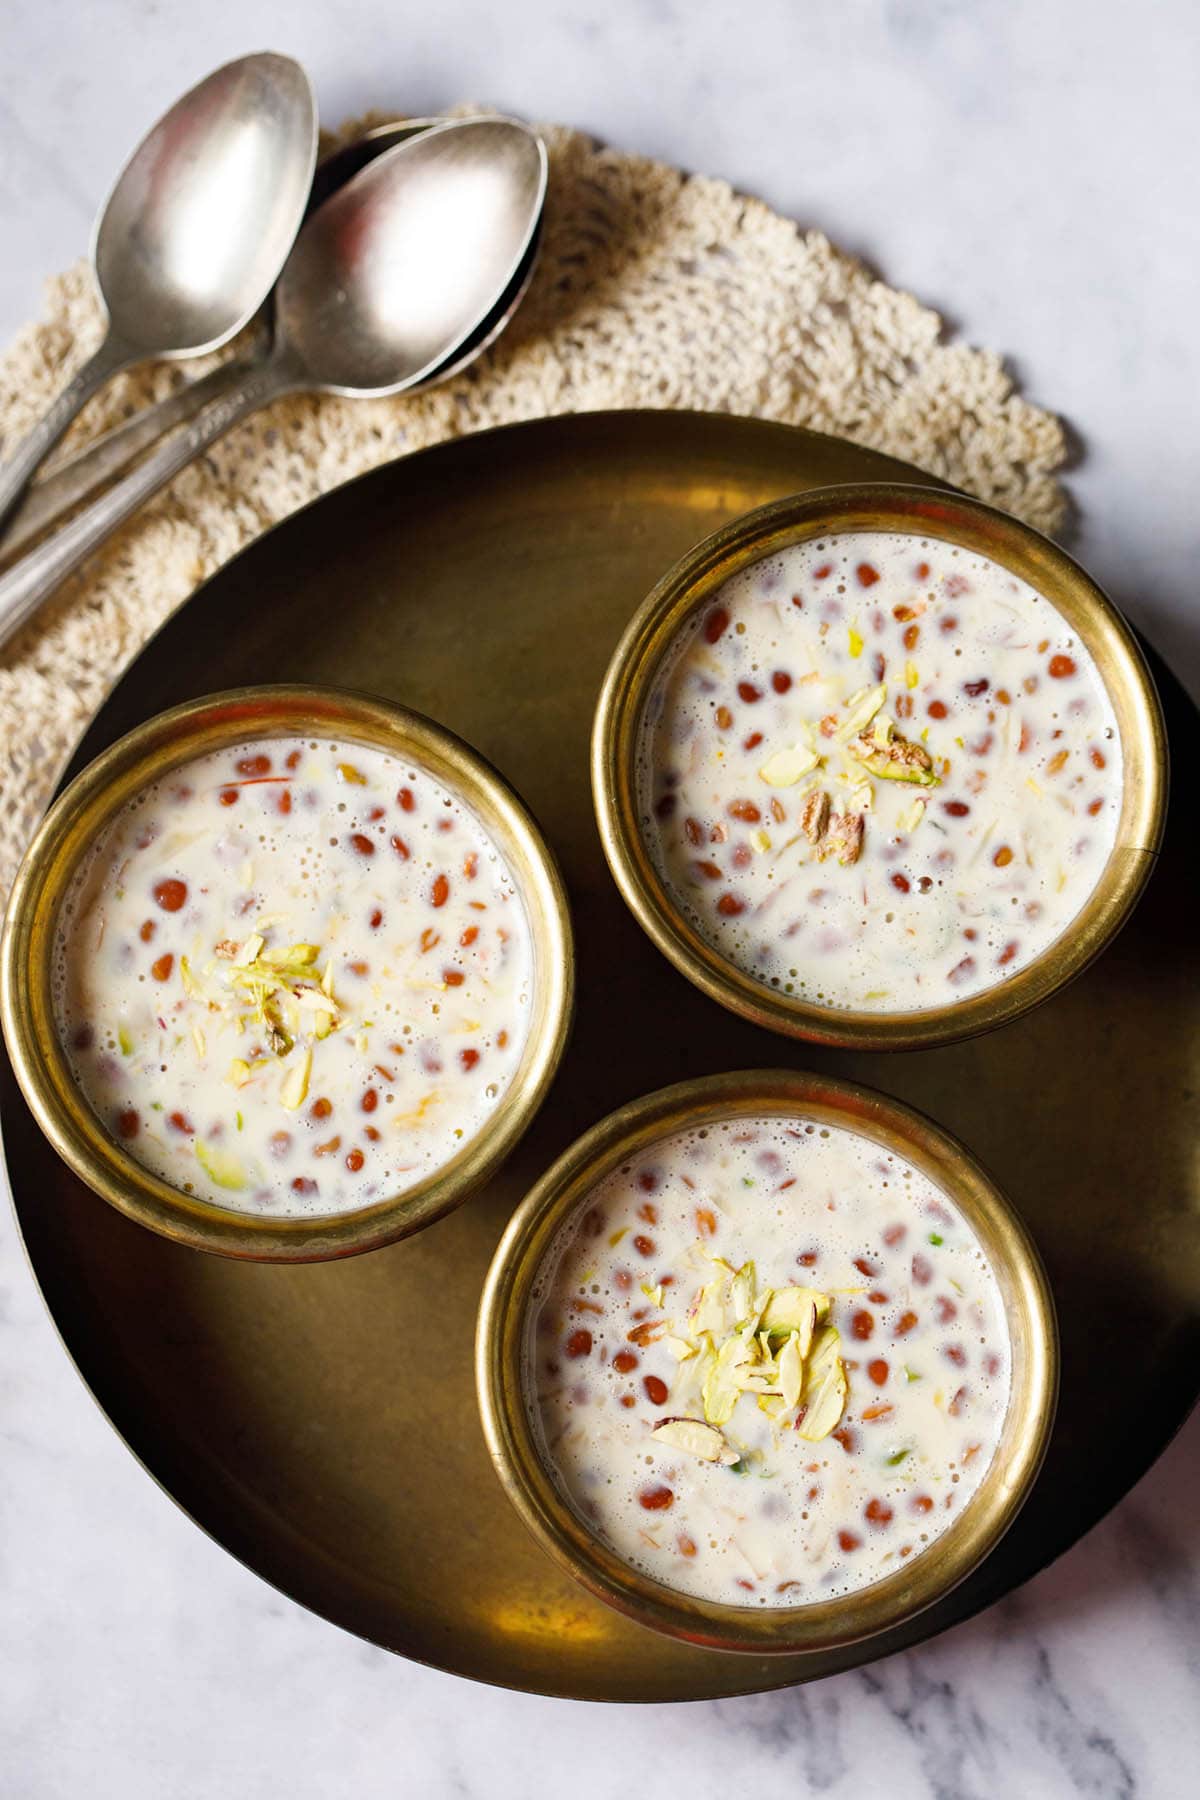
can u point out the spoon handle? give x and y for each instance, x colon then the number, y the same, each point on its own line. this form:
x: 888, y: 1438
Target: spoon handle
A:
x: 91, y: 470
x: 108, y: 360
x: 32, y: 580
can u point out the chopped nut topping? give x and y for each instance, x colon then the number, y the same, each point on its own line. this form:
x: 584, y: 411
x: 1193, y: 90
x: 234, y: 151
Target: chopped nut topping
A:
x: 815, y: 816
x: 833, y: 834
x: 843, y: 839
x: 776, y: 1344
x: 893, y: 758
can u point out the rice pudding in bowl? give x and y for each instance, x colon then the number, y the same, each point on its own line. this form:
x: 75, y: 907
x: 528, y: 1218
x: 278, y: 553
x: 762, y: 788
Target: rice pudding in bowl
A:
x: 879, y: 766
x: 286, y: 972
x: 767, y: 1361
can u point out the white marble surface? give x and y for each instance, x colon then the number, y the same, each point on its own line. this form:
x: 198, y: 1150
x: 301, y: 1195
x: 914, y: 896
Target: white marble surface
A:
x: 1027, y: 167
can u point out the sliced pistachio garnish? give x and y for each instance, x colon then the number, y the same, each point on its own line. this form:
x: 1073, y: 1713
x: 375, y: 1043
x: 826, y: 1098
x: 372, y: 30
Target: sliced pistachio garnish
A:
x: 725, y: 1383
x: 712, y: 1309
x: 795, y: 1309
x: 825, y: 1388
x: 277, y: 987
x: 220, y: 1166
x: 290, y: 958
x: 742, y: 1290
x: 774, y: 1344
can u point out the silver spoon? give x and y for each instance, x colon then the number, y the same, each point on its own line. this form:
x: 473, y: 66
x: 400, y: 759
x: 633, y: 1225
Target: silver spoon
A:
x: 195, y: 231
x: 385, y: 285
x: 52, y: 496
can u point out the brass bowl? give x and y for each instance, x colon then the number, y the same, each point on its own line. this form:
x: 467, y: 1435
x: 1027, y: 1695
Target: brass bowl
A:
x: 924, y: 512
x: 84, y: 810
x: 504, y: 1322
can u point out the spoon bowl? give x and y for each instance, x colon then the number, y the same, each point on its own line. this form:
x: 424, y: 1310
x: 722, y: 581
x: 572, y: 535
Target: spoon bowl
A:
x: 201, y: 219
x: 394, y: 273
x: 194, y: 232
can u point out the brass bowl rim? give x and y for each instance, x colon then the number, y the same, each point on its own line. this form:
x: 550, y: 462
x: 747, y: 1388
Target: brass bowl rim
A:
x: 919, y: 510
x: 565, y: 1187
x: 87, y: 805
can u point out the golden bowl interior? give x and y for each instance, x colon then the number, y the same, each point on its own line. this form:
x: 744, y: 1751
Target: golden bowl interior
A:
x: 86, y: 807
x: 923, y: 512
x: 504, y: 1321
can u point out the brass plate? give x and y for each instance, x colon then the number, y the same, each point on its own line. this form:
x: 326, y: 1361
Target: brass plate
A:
x: 485, y: 582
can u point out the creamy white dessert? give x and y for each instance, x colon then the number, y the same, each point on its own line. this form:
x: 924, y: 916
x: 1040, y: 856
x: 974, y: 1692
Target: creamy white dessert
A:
x: 768, y: 1362
x: 294, y: 976
x: 879, y: 772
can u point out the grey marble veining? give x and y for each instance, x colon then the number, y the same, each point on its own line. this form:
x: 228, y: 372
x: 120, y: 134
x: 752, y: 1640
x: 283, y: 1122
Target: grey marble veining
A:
x: 1030, y: 170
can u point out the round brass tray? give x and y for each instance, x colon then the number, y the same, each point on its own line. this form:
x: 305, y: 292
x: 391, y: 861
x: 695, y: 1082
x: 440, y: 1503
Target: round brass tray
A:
x: 298, y: 1413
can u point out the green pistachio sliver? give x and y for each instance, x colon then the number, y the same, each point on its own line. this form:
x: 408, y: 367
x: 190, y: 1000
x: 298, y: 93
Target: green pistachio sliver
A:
x: 796, y: 1309
x: 290, y: 956
x: 825, y: 1387
x: 791, y: 1371
x: 723, y: 1385
x: 220, y: 1166
x: 895, y: 760
x: 713, y: 1308
x: 742, y: 1291
x: 897, y: 1457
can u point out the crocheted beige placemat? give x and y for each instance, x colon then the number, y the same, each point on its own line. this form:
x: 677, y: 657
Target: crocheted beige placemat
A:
x: 654, y: 289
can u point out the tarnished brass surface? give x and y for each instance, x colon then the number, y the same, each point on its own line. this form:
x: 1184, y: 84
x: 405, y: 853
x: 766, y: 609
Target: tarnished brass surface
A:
x: 83, y: 812
x: 503, y: 1333
x: 929, y: 513
x: 320, y: 1421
